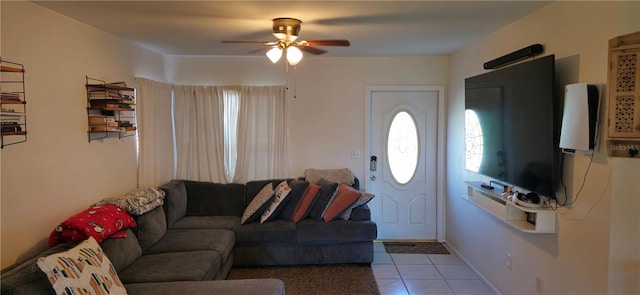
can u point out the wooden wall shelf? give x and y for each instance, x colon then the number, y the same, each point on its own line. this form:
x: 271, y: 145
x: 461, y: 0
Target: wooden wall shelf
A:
x: 13, y: 115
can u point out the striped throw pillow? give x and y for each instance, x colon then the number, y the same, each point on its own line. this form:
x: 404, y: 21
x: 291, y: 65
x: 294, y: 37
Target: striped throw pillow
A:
x: 84, y: 269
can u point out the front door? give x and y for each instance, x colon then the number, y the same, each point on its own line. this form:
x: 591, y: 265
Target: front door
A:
x: 403, y: 151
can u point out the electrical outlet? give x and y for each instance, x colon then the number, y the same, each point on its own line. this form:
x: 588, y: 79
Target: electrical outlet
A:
x: 509, y: 261
x: 355, y: 154
x: 539, y: 286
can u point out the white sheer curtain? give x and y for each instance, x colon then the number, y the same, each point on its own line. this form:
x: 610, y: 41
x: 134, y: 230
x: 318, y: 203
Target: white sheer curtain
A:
x: 155, y: 136
x: 199, y: 133
x: 231, y: 100
x: 261, y: 133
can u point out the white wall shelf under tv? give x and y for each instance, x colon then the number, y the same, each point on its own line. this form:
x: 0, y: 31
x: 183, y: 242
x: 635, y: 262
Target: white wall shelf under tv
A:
x: 543, y: 220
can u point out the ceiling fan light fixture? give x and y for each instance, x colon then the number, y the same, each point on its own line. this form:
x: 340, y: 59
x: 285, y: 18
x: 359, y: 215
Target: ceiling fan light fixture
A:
x: 274, y: 54
x: 286, y: 25
x: 286, y: 30
x: 285, y: 37
x: 294, y: 55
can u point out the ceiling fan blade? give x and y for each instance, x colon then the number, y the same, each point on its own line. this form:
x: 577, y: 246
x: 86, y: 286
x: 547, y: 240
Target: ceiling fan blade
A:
x: 262, y: 50
x: 312, y: 50
x: 328, y: 42
x: 254, y: 42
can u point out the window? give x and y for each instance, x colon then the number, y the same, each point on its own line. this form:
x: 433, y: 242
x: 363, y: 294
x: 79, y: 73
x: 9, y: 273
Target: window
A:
x: 230, y: 132
x: 402, y: 147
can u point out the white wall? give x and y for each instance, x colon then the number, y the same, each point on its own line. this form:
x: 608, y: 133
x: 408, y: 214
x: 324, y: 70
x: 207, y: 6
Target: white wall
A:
x: 57, y: 172
x: 576, y: 259
x: 327, y: 116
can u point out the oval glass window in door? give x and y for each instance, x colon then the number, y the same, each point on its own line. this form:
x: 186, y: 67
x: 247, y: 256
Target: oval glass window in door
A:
x: 402, y: 147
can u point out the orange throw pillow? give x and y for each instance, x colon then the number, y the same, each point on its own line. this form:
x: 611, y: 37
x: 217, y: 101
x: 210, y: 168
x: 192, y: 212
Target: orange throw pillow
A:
x: 306, y: 202
x: 345, y: 197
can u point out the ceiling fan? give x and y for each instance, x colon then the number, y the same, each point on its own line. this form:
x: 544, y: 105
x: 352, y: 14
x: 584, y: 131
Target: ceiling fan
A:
x: 286, y: 31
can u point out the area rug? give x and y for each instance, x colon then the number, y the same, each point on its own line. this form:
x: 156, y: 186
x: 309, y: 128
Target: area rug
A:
x: 415, y: 247
x: 315, y: 279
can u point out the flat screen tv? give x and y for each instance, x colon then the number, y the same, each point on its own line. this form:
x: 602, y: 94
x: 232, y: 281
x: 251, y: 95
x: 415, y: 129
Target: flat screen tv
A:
x: 512, y: 126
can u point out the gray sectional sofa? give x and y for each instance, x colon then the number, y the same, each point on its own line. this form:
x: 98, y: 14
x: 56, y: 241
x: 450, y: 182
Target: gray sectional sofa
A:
x: 190, y: 244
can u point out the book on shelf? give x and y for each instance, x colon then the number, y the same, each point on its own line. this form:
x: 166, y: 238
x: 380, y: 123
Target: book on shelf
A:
x: 9, y: 96
x: 101, y: 116
x: 125, y: 124
x: 10, y: 127
x: 102, y: 120
x: 12, y: 115
x: 118, y: 106
x: 108, y: 113
x: 104, y: 128
x: 126, y: 100
x: 119, y: 84
x: 106, y: 94
x: 104, y: 100
x: 104, y: 124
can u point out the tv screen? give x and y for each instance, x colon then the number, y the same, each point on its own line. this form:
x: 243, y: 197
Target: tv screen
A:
x: 512, y: 123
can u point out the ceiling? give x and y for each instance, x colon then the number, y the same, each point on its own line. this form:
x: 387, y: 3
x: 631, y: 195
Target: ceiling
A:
x: 375, y: 28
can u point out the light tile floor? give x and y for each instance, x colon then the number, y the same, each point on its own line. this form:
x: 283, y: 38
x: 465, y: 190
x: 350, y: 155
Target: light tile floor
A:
x: 424, y: 274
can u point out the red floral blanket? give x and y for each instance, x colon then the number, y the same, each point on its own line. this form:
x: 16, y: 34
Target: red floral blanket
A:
x: 99, y: 222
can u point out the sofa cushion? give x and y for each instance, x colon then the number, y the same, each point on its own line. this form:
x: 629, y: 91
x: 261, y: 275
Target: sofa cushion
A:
x: 325, y: 194
x: 280, y: 199
x: 279, y: 231
x: 175, y: 202
x: 345, y: 197
x: 306, y: 202
x: 123, y: 251
x: 207, y: 198
x: 215, y: 222
x: 259, y: 204
x: 174, y: 266
x: 297, y: 190
x: 342, y: 231
x: 152, y: 226
x: 218, y: 287
x: 177, y: 240
x: 84, y: 269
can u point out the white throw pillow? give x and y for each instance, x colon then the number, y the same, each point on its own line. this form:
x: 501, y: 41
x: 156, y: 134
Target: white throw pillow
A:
x: 252, y: 212
x: 281, y: 193
x: 84, y: 269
